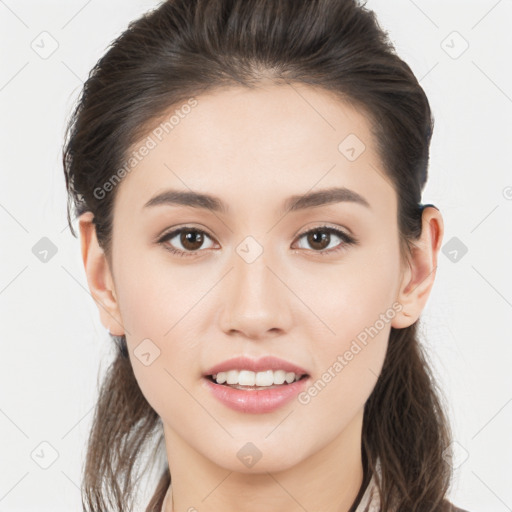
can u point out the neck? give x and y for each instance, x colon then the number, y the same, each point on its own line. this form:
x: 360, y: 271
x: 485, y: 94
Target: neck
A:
x: 167, y: 503
x: 328, y: 480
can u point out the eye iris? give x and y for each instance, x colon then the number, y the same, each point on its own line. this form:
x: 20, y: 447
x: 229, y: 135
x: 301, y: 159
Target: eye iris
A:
x: 313, y: 239
x: 194, y: 237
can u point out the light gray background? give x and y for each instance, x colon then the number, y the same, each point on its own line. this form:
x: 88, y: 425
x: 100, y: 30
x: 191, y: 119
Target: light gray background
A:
x: 53, y: 344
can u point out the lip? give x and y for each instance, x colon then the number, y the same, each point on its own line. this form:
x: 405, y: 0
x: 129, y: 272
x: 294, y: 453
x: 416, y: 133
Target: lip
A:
x: 255, y: 401
x: 251, y: 400
x: 255, y: 365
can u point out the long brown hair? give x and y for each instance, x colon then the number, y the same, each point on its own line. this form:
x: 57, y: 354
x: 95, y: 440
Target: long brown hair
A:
x: 182, y: 49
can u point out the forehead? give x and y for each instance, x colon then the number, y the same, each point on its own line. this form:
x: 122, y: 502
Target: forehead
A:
x: 243, y: 144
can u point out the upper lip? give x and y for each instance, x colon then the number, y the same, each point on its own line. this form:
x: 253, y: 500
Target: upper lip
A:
x: 255, y: 365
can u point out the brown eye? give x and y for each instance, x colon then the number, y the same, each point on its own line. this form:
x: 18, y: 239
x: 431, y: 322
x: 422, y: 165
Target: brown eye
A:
x: 319, y: 239
x: 190, y: 240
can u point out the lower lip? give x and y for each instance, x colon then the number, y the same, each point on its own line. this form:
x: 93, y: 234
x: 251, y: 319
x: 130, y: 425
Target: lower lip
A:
x: 256, y: 401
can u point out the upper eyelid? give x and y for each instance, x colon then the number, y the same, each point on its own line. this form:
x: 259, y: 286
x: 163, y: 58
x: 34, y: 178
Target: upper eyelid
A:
x: 176, y: 231
x: 327, y: 227
x: 201, y: 230
x: 173, y: 232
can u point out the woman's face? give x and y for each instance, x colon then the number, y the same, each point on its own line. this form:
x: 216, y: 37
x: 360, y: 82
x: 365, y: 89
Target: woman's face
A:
x: 253, y: 282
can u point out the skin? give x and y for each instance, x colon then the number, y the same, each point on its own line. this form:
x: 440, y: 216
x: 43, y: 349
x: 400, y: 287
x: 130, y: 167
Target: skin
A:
x: 253, y: 149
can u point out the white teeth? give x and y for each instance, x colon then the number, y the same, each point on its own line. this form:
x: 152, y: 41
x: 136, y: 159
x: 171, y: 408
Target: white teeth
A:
x: 247, y: 378
x: 290, y: 377
x: 264, y: 378
x: 279, y: 377
x: 232, y: 377
x: 221, y: 377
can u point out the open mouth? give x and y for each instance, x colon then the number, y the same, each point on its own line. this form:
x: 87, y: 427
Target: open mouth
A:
x: 256, y: 392
x: 297, y: 378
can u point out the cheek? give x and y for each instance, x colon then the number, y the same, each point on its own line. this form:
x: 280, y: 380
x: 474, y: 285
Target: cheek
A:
x: 348, y: 364
x: 160, y: 340
x: 349, y: 368
x: 153, y: 297
x: 164, y: 365
x: 338, y: 395
x: 353, y: 296
x: 356, y: 306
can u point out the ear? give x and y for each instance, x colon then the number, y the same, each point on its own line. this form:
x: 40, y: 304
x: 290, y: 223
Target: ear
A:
x: 418, y: 278
x: 99, y: 277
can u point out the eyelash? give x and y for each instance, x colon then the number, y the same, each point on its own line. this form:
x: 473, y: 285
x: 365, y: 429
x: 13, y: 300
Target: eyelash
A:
x: 347, y: 240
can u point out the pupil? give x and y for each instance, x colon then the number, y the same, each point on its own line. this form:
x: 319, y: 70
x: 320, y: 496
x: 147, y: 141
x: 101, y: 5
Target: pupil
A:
x: 321, y: 239
x: 188, y: 238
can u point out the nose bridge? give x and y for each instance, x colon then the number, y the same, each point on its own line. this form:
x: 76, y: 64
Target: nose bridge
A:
x: 255, y: 300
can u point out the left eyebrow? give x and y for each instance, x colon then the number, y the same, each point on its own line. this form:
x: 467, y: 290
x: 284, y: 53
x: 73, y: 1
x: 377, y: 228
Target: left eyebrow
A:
x: 323, y: 197
x: 293, y: 203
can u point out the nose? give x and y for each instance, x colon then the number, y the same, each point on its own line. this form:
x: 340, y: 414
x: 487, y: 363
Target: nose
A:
x: 257, y: 300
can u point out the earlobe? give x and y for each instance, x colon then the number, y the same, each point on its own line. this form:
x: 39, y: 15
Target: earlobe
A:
x: 99, y: 278
x: 418, y: 279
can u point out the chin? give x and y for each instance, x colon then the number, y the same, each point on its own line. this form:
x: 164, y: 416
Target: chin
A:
x: 254, y: 458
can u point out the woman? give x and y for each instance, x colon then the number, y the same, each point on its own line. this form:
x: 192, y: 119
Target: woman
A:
x: 247, y: 176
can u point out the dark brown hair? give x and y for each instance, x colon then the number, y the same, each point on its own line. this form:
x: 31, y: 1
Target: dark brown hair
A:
x: 184, y: 48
